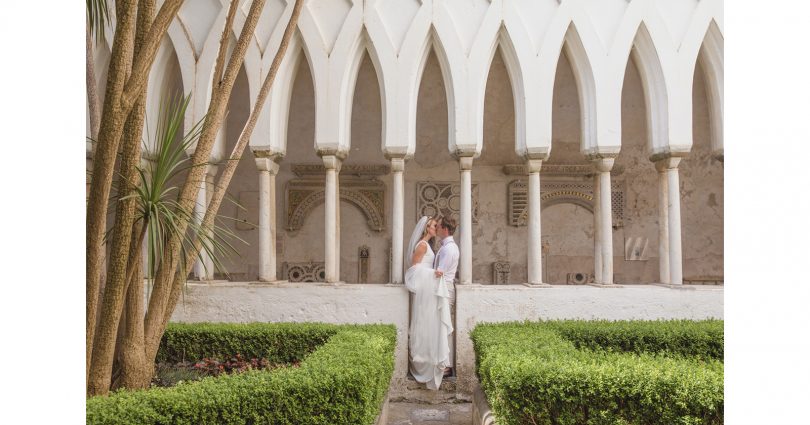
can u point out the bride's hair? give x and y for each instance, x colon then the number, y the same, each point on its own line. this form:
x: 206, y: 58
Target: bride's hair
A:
x: 434, y: 219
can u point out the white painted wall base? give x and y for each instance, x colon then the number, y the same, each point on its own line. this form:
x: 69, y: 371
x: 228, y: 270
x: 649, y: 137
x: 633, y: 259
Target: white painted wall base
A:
x: 386, y: 303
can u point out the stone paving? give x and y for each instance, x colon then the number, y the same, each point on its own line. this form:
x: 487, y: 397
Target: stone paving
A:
x: 409, y: 413
x: 419, y: 406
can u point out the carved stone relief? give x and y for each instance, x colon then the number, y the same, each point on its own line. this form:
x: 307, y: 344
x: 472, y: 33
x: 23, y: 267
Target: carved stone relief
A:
x: 363, y: 264
x: 443, y: 198
x: 500, y: 272
x: 557, y: 192
x: 304, y: 272
x: 636, y: 248
x: 302, y: 196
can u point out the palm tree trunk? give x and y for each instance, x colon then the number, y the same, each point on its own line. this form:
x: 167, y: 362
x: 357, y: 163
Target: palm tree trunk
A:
x: 224, y: 180
x: 136, y: 372
x: 158, y: 302
x: 110, y: 130
x: 127, y: 75
x: 93, y: 102
x: 115, y: 288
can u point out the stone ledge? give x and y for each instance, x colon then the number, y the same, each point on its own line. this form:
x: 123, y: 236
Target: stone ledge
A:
x: 537, y: 285
x: 482, y: 413
x: 604, y: 285
x: 382, y: 418
x: 683, y: 287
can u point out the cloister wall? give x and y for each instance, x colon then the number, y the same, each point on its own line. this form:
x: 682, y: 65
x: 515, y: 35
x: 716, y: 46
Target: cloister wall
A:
x: 291, y: 302
x: 568, y: 228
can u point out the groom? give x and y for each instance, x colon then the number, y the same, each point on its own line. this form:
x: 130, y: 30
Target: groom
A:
x: 446, y: 263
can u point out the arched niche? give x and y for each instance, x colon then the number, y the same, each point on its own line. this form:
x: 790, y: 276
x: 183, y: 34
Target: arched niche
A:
x: 499, y: 117
x: 366, y: 120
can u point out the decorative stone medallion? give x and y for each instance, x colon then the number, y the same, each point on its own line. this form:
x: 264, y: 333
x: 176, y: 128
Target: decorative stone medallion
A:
x: 443, y: 198
x: 304, y: 272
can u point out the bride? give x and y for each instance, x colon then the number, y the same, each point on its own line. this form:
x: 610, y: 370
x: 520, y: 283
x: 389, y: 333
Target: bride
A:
x: 430, y: 311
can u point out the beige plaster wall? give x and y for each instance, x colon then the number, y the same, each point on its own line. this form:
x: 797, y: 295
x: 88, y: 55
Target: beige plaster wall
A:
x: 568, y: 228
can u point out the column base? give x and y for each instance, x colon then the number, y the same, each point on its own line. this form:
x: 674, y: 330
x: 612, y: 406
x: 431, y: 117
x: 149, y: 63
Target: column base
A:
x: 536, y: 285
x: 604, y: 285
x: 339, y: 283
x: 268, y: 282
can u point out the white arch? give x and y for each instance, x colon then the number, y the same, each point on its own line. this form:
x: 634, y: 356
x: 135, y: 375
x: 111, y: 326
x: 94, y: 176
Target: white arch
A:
x: 514, y: 70
x: 466, y: 53
x: 277, y: 111
x: 711, y: 58
x: 334, y: 64
x: 645, y: 56
x: 448, y: 81
x: 586, y: 87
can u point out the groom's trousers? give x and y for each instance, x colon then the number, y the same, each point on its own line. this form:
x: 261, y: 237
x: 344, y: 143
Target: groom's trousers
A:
x: 452, y: 337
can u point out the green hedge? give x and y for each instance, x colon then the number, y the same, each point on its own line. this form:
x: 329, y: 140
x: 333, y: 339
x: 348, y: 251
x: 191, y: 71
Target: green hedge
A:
x: 343, y: 381
x: 687, y: 338
x: 277, y: 342
x: 533, y: 373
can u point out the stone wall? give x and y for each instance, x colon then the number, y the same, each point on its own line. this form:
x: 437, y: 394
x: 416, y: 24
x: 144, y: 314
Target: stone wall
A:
x: 567, y: 227
x: 290, y: 302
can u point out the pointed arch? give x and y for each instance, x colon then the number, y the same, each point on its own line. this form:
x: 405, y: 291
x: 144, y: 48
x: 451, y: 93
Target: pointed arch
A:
x: 711, y: 58
x: 645, y: 56
x: 281, y: 93
x: 382, y: 78
x: 586, y: 86
x: 447, y: 79
x: 358, y: 50
x: 514, y: 70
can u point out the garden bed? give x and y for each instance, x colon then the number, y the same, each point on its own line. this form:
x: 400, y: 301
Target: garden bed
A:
x: 342, y: 378
x: 579, y: 372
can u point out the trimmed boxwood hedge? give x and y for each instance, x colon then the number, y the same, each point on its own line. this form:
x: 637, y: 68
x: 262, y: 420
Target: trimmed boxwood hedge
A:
x: 578, y: 372
x: 343, y: 381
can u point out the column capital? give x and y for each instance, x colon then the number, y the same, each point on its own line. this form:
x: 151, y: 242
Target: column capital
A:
x: 465, y: 163
x: 603, y: 165
x: 274, y: 155
x: 396, y: 152
x: 267, y: 164
x: 667, y: 163
x: 331, y: 162
x: 340, y: 154
x: 397, y: 165
x: 533, y: 165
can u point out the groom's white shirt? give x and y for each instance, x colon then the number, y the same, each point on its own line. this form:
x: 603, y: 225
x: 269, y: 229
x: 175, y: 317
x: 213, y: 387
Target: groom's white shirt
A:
x: 447, y: 259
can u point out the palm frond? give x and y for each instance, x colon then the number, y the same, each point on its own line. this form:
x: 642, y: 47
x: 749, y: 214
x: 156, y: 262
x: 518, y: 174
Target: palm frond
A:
x: 98, y: 15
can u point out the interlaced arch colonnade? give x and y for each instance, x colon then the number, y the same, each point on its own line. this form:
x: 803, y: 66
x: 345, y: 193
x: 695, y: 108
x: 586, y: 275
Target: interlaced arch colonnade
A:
x: 665, y: 40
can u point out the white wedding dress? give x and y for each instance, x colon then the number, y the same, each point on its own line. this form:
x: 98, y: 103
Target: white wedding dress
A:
x: 430, y: 322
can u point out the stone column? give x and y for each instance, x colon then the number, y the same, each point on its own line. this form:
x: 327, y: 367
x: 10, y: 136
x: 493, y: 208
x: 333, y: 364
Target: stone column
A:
x: 597, y: 232
x: 465, y: 223
x: 337, y: 221
x: 398, y: 219
x: 535, y: 231
x: 663, y: 223
x: 204, y: 266
x: 268, y: 169
x: 603, y: 167
x: 331, y: 200
x: 670, y: 164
